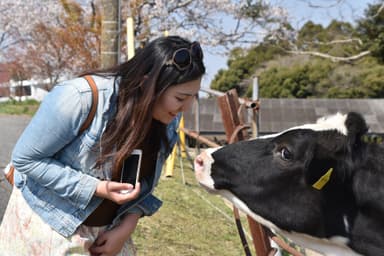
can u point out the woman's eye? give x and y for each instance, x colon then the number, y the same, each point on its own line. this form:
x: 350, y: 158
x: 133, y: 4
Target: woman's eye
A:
x: 286, y: 154
x: 179, y: 99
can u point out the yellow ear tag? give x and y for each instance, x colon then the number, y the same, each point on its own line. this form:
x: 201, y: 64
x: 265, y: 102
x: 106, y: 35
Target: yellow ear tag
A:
x: 323, y: 180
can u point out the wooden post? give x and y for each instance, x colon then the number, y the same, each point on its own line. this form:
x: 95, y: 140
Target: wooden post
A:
x: 229, y: 105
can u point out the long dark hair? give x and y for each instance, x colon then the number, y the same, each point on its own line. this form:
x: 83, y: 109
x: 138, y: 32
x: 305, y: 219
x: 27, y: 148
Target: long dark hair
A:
x: 142, y: 80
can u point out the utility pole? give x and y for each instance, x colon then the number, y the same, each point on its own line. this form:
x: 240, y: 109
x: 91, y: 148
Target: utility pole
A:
x: 110, y: 33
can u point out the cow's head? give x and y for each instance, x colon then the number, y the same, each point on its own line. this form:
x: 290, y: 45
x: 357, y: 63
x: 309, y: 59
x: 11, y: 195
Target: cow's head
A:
x: 281, y: 180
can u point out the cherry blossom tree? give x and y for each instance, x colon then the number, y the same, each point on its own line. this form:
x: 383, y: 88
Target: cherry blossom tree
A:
x: 18, y: 18
x: 224, y: 24
x: 212, y: 22
x: 54, y: 40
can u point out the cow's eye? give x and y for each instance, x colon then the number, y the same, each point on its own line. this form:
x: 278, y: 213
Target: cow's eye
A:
x: 286, y: 154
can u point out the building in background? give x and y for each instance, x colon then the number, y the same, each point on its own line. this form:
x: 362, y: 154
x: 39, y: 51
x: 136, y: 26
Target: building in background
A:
x: 20, y: 90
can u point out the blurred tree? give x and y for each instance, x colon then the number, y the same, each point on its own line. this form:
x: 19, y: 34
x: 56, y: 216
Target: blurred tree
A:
x: 221, y: 23
x: 242, y: 64
x: 349, y: 48
x: 371, y: 30
x: 53, y: 51
x: 313, y: 40
x: 214, y: 22
x: 204, y: 21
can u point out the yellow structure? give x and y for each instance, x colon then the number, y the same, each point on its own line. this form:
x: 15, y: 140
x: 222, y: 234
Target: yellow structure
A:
x: 182, y: 138
x: 130, y: 38
x: 170, y: 162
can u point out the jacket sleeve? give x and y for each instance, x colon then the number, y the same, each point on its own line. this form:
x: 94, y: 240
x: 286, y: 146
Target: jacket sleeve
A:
x: 147, y: 207
x: 146, y: 204
x: 54, y: 125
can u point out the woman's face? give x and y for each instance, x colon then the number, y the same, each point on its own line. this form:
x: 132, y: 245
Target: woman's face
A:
x: 175, y: 99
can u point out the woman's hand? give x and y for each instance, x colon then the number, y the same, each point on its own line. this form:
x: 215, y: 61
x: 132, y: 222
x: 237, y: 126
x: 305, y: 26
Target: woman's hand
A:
x: 113, y: 191
x: 111, y: 242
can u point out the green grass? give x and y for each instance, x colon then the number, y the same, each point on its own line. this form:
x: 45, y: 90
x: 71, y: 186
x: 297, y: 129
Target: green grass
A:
x: 13, y: 107
x: 190, y: 222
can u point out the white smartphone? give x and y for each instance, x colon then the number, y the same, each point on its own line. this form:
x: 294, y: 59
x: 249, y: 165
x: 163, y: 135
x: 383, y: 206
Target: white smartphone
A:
x: 130, y: 172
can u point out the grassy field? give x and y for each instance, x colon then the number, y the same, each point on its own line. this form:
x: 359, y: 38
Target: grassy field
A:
x: 13, y: 107
x: 190, y: 222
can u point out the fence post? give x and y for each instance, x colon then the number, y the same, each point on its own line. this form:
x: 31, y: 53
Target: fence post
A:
x: 229, y: 105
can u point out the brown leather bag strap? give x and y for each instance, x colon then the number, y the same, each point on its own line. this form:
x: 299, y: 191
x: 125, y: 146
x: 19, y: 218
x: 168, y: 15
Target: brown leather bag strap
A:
x: 9, y: 175
x: 95, y: 100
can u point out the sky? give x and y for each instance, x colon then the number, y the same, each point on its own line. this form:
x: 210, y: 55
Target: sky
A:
x: 299, y: 10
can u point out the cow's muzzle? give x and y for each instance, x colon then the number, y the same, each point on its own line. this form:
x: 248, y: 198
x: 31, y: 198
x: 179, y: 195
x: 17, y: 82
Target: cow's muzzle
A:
x: 202, y: 164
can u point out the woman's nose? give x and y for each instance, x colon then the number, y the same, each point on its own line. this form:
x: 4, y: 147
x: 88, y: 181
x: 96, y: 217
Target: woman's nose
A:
x: 182, y: 108
x: 187, y: 105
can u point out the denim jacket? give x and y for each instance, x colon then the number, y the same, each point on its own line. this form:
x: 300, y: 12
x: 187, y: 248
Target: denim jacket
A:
x: 55, y: 167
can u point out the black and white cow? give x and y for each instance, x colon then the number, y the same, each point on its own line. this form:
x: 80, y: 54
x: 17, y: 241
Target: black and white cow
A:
x: 319, y: 185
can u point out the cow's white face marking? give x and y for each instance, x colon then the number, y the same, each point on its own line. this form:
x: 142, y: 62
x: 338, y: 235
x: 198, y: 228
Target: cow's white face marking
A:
x: 332, y: 122
x: 203, y: 163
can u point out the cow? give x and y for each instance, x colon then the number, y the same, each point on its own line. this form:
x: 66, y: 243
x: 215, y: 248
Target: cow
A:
x: 320, y: 185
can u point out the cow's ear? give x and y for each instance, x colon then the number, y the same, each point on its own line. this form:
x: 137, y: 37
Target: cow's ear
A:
x: 356, y: 127
x: 314, y: 165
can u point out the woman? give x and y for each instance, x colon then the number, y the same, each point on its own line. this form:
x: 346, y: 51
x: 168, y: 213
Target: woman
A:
x: 71, y: 201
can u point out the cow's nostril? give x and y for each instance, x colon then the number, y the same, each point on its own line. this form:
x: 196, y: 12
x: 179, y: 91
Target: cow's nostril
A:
x: 199, y: 163
x: 199, y: 160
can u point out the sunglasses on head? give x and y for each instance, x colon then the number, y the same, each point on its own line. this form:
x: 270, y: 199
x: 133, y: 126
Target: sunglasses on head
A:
x: 183, y: 57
